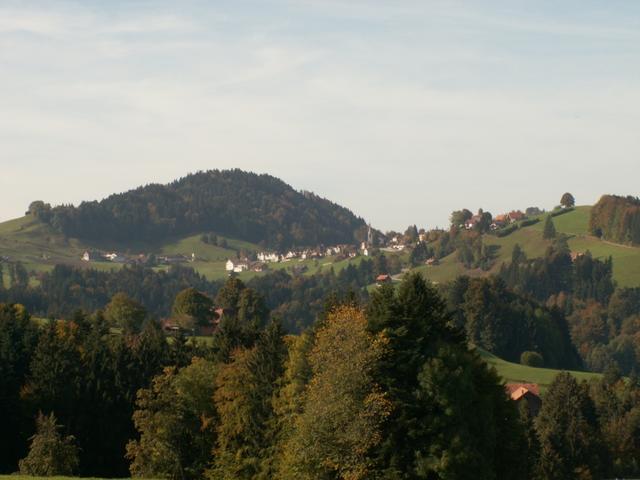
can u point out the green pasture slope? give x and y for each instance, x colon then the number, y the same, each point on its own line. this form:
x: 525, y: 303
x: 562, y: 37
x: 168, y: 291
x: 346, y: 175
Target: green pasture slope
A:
x: 39, y: 248
x: 516, y: 373
x: 575, y: 224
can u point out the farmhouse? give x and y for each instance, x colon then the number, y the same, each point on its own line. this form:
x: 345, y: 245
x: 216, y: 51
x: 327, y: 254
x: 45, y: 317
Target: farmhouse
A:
x: 526, y: 392
x: 115, y: 257
x: 90, y: 256
x: 382, y: 279
x: 268, y: 257
x: 516, y: 216
x: 472, y: 222
x: 576, y: 255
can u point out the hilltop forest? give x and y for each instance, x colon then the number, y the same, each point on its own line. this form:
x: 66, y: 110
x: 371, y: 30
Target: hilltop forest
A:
x: 256, y: 208
x: 616, y: 219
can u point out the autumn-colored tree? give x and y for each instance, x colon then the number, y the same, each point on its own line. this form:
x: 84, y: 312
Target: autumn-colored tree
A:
x: 289, y: 400
x: 343, y: 408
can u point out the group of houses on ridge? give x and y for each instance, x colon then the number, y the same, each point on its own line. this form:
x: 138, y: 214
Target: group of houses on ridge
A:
x: 498, y: 222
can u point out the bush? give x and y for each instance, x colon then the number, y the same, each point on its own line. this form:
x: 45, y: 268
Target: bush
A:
x: 506, y: 231
x: 532, y: 359
x: 529, y: 222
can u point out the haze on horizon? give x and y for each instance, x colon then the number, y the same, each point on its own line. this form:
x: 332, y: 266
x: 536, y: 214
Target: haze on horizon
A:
x: 401, y: 111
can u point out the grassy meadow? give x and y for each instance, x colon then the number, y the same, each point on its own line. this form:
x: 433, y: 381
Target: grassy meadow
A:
x: 516, y: 373
x: 39, y: 248
x: 575, y: 224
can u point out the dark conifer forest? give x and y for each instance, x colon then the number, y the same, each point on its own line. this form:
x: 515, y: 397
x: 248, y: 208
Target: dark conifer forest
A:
x: 256, y: 208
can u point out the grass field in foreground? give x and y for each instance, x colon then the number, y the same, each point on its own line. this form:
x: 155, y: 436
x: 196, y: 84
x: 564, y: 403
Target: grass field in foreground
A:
x: 514, y: 372
x: 27, y: 477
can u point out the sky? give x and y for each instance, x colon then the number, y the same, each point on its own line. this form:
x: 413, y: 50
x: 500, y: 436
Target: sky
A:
x: 400, y: 110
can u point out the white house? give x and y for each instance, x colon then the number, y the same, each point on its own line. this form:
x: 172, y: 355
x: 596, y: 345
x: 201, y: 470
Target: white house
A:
x: 268, y: 257
x: 236, y: 267
x: 115, y: 257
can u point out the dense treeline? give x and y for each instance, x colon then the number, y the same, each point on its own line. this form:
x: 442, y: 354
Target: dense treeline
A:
x: 256, y: 208
x: 584, y: 277
x: 295, y: 298
x: 616, y: 219
x: 65, y: 289
x: 602, y: 319
x: 508, y: 325
x: 388, y: 389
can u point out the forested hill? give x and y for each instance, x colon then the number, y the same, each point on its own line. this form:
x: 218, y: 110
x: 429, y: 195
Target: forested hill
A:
x: 256, y: 208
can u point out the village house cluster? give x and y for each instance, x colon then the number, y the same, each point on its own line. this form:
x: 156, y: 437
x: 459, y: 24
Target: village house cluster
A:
x: 264, y: 258
x: 499, y: 221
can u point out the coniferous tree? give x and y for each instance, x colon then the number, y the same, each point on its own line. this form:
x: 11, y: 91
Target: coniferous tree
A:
x: 549, y: 231
x: 244, y: 402
x: 18, y: 339
x: 425, y: 355
x: 567, y: 426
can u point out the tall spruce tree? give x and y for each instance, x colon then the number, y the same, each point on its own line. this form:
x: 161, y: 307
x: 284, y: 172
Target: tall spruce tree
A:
x: 244, y: 403
x: 18, y: 339
x: 549, y: 229
x: 570, y: 443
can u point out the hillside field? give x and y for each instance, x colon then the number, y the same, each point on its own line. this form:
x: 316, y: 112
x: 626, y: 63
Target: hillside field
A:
x: 39, y: 248
x: 516, y: 373
x: 575, y: 224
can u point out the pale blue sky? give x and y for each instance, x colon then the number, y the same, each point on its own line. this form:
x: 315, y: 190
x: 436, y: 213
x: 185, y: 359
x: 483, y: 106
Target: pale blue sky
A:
x: 400, y: 110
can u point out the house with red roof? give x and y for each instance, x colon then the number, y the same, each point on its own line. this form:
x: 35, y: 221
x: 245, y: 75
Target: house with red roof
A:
x: 529, y: 393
